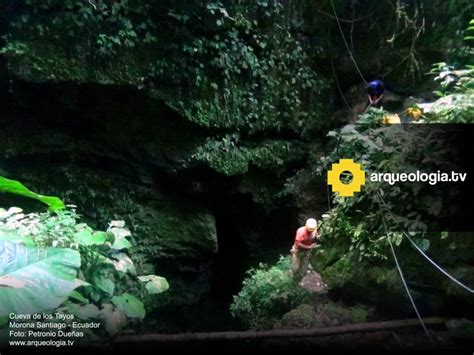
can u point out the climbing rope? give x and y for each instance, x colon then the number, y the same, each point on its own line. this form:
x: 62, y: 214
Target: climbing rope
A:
x: 452, y: 278
x: 444, y: 272
x: 92, y: 4
x: 327, y: 184
x: 367, y: 108
x: 338, y: 20
x: 401, y: 273
x: 345, y: 42
x: 329, y: 198
x: 339, y: 86
x: 380, y: 201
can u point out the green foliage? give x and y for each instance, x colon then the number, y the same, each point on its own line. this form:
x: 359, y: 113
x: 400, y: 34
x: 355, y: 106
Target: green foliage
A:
x: 17, y: 188
x: 357, y: 314
x: 453, y: 108
x: 35, y: 279
x: 405, y: 36
x: 154, y: 284
x: 324, y: 313
x: 107, y: 26
x: 240, y: 67
x: 456, y: 89
x: 236, y: 66
x: 463, y: 52
x: 267, y: 294
x: 453, y: 81
x: 56, y: 40
x: 357, y: 222
x: 106, y: 287
x: 470, y: 32
x: 129, y: 305
x: 165, y: 232
x: 230, y: 157
x: 332, y: 313
x: 248, y: 72
x: 456, y: 104
x: 460, y: 81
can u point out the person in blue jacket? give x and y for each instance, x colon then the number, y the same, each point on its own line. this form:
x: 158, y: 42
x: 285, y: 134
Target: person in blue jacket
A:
x: 375, y: 91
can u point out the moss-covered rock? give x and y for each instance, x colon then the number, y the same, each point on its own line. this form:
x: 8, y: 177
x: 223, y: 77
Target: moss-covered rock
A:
x: 358, y: 314
x: 348, y: 275
x: 349, y: 271
x: 242, y: 74
x: 302, y: 317
x: 324, y: 313
x: 335, y: 313
x: 178, y: 233
x: 46, y: 61
x: 268, y: 294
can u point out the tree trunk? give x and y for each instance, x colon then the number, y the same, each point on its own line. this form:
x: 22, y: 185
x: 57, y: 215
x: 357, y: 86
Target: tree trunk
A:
x: 292, y: 333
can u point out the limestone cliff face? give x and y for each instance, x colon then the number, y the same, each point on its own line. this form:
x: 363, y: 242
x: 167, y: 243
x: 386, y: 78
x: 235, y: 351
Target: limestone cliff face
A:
x: 117, y: 154
x: 108, y: 109
x: 175, y: 117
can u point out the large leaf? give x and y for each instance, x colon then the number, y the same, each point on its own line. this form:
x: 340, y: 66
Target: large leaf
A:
x: 17, y: 188
x: 130, y: 305
x: 104, y: 283
x: 88, y: 237
x: 120, y: 235
x: 121, y: 244
x: 35, y: 279
x: 77, y: 296
x: 155, y: 284
x: 123, y: 263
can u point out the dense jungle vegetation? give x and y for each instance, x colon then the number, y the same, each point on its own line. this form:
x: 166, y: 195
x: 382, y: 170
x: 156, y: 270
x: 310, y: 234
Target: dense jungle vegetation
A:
x: 157, y: 157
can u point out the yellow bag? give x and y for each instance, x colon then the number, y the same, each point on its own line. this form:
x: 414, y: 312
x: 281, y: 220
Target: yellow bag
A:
x: 414, y: 112
x: 391, y: 119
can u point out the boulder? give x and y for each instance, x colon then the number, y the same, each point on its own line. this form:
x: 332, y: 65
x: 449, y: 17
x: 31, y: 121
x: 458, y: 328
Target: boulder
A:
x: 302, y: 317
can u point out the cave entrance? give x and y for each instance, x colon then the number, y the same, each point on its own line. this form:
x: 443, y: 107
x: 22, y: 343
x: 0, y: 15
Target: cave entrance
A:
x: 246, y: 236
x: 230, y: 263
x: 232, y: 258
x: 246, y: 233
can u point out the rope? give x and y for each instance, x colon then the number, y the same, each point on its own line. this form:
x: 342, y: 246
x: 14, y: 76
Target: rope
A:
x: 459, y: 283
x: 339, y: 85
x: 327, y: 185
x: 345, y: 42
x: 93, y: 5
x: 345, y: 20
x: 452, y: 278
x: 401, y: 273
x: 367, y: 108
x: 329, y: 198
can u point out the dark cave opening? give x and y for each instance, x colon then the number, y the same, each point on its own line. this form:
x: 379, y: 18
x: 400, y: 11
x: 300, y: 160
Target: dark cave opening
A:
x: 230, y: 263
x: 227, y: 270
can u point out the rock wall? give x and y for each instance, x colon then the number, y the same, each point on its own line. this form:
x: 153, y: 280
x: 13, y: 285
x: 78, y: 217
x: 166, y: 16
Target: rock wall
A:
x: 117, y: 154
x: 107, y: 108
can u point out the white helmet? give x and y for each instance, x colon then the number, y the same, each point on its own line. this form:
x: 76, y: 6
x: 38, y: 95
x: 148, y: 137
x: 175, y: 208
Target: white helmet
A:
x: 311, y: 224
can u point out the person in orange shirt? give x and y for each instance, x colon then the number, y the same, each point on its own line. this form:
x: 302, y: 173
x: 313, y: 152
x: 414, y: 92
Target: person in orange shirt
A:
x: 305, y: 241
